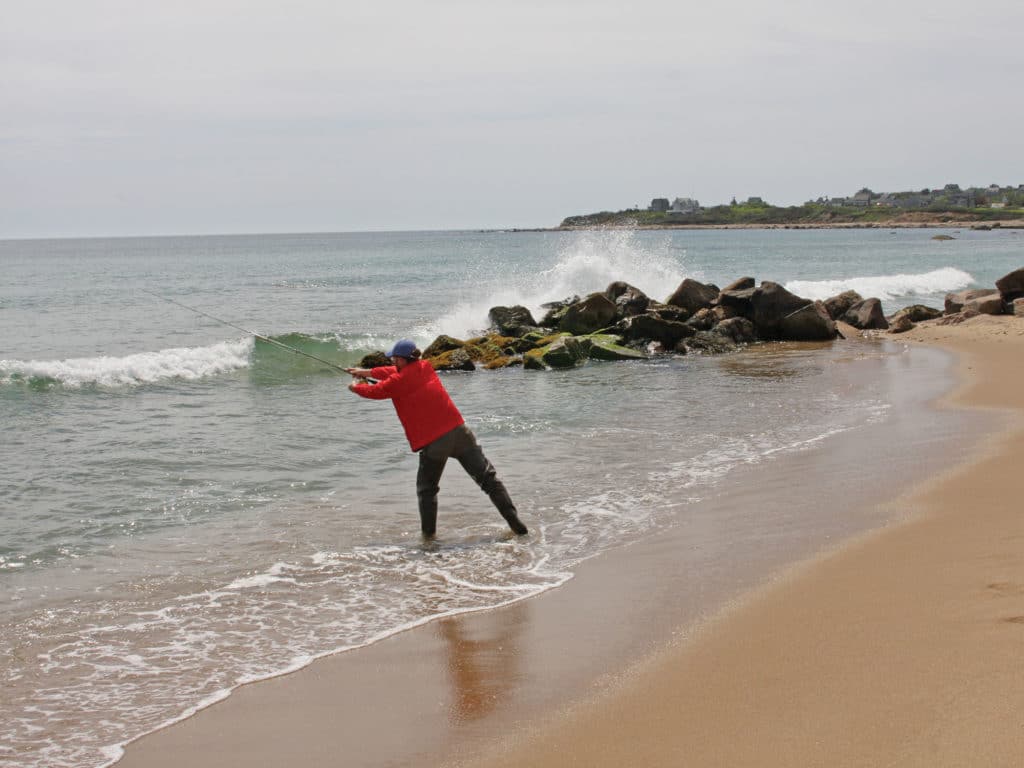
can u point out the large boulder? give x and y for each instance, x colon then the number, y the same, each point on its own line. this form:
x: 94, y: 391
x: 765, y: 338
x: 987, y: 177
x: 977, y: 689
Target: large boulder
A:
x: 707, y: 318
x: 503, y: 362
x: 693, y: 296
x: 512, y: 321
x: 738, y: 300
x: 651, y: 327
x: 1011, y: 286
x: 901, y: 323
x: 866, y: 315
x: 916, y: 313
x: 723, y: 313
x: 555, y: 311
x: 989, y: 304
x: 564, y: 352
x: 591, y: 314
x: 839, y: 305
x: 957, y: 317
x: 667, y: 312
x: 375, y: 360
x: 706, y: 343
x: 743, y: 284
x: 629, y: 300
x: 453, y: 360
x: 770, y: 304
x: 606, y: 347
x: 739, y: 329
x: 484, y: 349
x: 442, y: 344
x: 703, y: 319
x: 955, y: 301
x: 808, y: 323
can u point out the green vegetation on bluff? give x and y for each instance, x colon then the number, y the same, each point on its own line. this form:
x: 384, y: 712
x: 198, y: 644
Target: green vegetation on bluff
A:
x: 993, y: 203
x: 810, y: 214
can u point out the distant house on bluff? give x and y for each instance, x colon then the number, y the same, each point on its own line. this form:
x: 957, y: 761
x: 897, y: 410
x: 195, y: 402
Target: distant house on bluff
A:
x: 684, y: 205
x: 658, y: 205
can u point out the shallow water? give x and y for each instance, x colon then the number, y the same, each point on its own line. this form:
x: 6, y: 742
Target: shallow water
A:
x: 184, y: 509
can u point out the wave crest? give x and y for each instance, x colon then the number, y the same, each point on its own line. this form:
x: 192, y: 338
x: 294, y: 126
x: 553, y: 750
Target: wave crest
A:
x: 188, y: 363
x: 886, y: 287
x: 586, y: 264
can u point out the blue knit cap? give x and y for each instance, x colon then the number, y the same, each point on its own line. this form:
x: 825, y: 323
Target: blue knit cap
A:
x: 403, y: 348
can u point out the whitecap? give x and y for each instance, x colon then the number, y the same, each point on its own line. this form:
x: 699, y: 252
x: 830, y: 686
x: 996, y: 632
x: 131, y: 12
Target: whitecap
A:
x: 188, y: 363
x: 886, y: 287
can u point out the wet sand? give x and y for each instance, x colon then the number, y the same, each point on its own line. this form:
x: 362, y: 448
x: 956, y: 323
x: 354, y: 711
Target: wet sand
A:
x: 900, y: 648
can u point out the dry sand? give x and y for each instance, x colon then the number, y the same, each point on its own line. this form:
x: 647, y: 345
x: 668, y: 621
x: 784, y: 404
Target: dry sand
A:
x: 903, y: 648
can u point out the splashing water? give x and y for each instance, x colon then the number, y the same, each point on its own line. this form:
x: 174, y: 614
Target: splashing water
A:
x: 584, y: 265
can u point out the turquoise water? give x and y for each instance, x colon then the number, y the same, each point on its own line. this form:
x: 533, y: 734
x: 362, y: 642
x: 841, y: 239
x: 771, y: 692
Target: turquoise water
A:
x: 183, y: 509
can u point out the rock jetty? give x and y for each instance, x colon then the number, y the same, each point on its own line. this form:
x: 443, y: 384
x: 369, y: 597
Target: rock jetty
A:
x: 623, y: 323
x: 1006, y: 298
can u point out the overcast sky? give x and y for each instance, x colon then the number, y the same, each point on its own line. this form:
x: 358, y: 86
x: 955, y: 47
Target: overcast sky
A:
x: 146, y: 117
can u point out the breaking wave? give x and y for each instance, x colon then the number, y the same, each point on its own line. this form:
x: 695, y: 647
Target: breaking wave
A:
x: 187, y: 363
x: 886, y: 287
x: 586, y: 264
x: 268, y: 363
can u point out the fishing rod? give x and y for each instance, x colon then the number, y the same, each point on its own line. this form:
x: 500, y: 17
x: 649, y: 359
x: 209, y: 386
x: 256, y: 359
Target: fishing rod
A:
x: 246, y: 330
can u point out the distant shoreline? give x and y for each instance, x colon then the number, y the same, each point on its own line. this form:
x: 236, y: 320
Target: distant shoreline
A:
x: 1013, y: 224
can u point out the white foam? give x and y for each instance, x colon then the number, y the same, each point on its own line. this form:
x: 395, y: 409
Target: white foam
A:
x: 886, y: 287
x: 189, y: 363
x: 586, y: 264
x: 271, y: 576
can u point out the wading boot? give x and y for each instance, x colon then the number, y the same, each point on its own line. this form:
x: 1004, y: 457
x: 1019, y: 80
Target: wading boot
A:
x: 500, y: 498
x: 428, y: 517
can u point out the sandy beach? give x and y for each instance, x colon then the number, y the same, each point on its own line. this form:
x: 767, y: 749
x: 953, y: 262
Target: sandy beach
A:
x: 903, y: 649
x: 900, y: 647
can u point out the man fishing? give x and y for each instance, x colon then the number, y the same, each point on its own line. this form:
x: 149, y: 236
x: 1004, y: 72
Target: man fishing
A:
x: 435, y: 429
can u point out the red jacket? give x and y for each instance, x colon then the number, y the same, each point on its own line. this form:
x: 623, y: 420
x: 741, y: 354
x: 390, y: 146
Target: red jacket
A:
x: 420, y: 399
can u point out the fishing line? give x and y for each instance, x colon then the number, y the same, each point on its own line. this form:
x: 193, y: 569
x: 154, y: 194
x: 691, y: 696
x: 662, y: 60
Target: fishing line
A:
x: 246, y: 330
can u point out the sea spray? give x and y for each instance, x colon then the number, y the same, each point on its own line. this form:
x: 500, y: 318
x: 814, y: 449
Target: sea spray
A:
x: 585, y: 264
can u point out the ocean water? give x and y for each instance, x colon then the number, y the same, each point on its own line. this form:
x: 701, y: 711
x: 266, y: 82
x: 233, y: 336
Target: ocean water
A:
x: 184, y: 509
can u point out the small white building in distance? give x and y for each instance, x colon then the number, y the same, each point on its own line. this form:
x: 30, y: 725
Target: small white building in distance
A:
x: 685, y: 205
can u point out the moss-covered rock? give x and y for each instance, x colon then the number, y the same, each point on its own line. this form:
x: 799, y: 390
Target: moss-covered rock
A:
x: 534, y: 337
x: 453, y: 360
x: 484, y: 349
x: 607, y: 347
x: 593, y: 313
x: 450, y: 354
x: 533, y: 360
x: 564, y: 351
x: 567, y: 352
x: 443, y: 344
x: 551, y: 338
x: 503, y: 362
